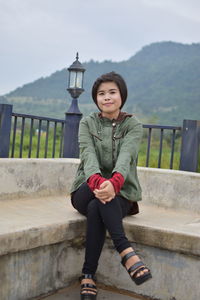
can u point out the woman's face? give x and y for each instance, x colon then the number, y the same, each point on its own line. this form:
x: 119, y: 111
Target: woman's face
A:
x: 109, y: 99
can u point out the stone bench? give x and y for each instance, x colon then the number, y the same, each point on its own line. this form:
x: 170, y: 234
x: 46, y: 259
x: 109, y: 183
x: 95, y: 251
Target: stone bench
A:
x: 42, y: 236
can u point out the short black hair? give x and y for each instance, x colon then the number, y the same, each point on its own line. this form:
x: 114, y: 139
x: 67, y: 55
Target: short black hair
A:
x: 111, y: 77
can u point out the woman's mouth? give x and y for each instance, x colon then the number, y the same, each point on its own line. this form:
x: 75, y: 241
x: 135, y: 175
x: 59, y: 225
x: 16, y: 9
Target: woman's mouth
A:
x: 108, y: 104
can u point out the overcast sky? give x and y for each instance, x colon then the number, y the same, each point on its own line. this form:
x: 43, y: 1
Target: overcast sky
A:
x: 39, y: 37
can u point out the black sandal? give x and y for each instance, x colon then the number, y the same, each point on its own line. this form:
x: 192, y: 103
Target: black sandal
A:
x: 88, y: 287
x: 137, y: 267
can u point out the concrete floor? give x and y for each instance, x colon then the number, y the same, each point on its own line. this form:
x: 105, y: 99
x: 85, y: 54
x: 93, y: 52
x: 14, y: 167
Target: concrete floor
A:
x: 73, y: 293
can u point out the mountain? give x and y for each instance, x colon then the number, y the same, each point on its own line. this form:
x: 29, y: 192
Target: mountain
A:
x: 163, y: 80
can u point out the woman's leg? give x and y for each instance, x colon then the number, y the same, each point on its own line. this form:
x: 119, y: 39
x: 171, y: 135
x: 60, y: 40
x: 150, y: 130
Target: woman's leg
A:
x: 81, y: 198
x: 85, y: 202
x: 112, y: 214
x: 95, y: 238
x: 99, y: 218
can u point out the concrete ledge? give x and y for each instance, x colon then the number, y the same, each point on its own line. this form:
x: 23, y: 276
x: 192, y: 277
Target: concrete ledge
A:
x: 178, y: 190
x: 42, y: 236
x: 165, y: 229
x: 50, y: 220
x: 46, y: 241
x: 41, y: 246
x: 23, y: 178
x: 31, y: 223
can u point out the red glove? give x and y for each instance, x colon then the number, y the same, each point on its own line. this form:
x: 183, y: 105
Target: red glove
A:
x: 117, y: 180
x: 95, y: 181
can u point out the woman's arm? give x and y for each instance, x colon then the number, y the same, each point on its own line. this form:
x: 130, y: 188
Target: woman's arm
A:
x: 87, y: 150
x: 129, y: 148
x: 128, y: 152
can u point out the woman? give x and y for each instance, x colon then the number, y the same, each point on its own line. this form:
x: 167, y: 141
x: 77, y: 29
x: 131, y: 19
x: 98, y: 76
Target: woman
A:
x: 106, y: 187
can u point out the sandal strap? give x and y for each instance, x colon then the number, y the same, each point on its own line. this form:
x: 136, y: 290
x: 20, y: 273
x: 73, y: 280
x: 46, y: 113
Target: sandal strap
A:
x: 137, y: 269
x: 126, y: 257
x: 136, y: 266
x: 89, y: 290
x: 95, y: 293
x: 142, y: 269
x: 88, y: 285
x: 88, y: 276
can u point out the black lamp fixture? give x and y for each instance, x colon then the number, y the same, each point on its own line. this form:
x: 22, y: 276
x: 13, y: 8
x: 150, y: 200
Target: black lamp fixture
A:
x: 76, y: 74
x: 73, y: 115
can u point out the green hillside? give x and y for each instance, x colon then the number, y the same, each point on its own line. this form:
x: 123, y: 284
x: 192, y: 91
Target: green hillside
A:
x: 163, y: 81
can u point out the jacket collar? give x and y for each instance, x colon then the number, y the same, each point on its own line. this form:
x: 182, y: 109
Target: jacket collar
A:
x: 121, y: 117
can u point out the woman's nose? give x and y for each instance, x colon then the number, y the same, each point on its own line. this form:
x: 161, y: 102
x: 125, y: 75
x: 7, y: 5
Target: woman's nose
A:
x: 107, y: 96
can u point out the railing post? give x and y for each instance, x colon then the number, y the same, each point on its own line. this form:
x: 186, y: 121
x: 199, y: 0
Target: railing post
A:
x: 5, y: 128
x: 72, y: 120
x: 190, y: 145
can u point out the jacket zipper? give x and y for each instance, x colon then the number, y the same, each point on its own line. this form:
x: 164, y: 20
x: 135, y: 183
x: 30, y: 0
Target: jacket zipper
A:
x: 113, y: 142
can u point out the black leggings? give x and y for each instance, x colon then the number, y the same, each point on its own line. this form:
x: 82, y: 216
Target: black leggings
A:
x: 99, y: 218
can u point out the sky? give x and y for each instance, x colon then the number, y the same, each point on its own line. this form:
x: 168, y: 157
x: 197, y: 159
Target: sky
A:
x: 40, y: 37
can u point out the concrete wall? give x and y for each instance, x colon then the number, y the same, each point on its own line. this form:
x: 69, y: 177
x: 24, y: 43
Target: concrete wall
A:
x: 33, y: 267
x: 27, y: 274
x: 170, y: 188
x: 35, y: 177
x: 38, y: 271
x: 175, y: 276
x: 44, y: 177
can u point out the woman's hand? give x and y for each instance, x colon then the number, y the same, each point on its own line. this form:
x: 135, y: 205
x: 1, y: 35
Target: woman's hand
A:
x: 106, y: 192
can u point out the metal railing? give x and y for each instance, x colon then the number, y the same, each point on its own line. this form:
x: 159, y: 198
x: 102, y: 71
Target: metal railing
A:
x: 43, y: 125
x: 47, y: 137
x: 161, y: 129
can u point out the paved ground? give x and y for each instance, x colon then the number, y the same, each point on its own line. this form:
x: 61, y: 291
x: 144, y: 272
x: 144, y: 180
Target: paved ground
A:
x: 72, y: 293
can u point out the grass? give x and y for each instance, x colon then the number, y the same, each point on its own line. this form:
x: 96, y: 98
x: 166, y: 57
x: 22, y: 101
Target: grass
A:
x: 154, y: 154
x: 54, y: 152
x: 38, y: 144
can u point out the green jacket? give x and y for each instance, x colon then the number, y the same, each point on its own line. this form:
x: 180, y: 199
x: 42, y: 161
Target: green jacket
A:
x: 108, y: 146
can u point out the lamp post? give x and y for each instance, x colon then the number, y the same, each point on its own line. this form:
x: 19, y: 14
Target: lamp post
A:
x: 73, y: 115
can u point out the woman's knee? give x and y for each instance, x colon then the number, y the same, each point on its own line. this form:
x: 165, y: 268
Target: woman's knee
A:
x: 121, y: 204
x: 92, y: 208
x: 81, y: 198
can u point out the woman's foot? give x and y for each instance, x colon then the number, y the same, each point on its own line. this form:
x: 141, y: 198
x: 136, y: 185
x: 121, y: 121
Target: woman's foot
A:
x: 88, y: 287
x: 133, y: 264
